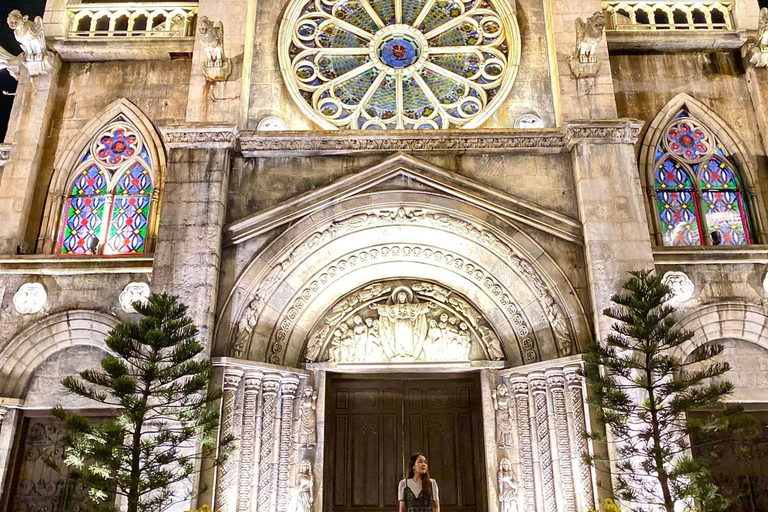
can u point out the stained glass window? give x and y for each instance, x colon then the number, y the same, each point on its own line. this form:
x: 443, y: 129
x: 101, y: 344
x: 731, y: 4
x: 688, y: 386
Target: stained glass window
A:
x: 109, y: 201
x: 698, y: 193
x: 399, y: 64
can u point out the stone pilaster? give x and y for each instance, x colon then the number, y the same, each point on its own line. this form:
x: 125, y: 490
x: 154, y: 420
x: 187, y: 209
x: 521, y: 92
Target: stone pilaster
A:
x: 188, y: 253
x: 520, y: 390
x: 264, y: 493
x: 586, y: 496
x: 539, y: 389
x: 8, y: 433
x: 35, y: 100
x: 249, y: 441
x: 287, y: 399
x: 226, y: 475
x: 556, y: 383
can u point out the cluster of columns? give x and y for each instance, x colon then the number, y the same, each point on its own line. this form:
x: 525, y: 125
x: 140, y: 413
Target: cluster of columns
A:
x: 257, y: 413
x: 549, y: 419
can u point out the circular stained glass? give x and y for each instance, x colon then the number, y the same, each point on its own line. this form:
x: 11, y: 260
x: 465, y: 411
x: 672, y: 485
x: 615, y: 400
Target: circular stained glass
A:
x: 399, y: 64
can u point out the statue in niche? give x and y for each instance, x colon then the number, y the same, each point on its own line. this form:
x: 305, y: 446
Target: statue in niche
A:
x: 507, y: 487
x: 503, y: 405
x: 403, y: 324
x: 305, y: 492
x: 308, y: 418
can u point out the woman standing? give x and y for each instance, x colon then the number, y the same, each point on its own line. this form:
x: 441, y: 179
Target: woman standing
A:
x: 418, y: 492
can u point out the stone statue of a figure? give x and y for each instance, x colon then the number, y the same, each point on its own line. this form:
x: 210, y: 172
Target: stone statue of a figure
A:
x: 507, y: 487
x: 305, y: 493
x: 503, y: 405
x: 403, y: 324
x: 308, y: 417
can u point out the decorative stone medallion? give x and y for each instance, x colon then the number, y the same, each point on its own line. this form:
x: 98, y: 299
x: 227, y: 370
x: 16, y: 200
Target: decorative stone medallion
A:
x: 272, y: 124
x: 680, y: 285
x: 529, y: 121
x: 30, y: 298
x: 133, y: 292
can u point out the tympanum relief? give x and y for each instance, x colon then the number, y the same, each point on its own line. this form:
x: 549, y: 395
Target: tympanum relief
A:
x: 402, y: 321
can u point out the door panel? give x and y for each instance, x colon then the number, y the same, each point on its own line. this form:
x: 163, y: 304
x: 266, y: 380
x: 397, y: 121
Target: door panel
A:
x: 374, y: 426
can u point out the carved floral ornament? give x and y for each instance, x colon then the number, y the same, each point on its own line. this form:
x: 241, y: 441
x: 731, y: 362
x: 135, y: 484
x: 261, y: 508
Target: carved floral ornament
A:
x: 30, y: 298
x: 681, y: 287
x: 481, y: 333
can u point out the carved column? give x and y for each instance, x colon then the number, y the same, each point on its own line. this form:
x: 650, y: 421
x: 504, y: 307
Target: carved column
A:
x: 287, y: 398
x: 266, y: 465
x: 539, y: 389
x: 225, y: 473
x: 520, y: 389
x: 556, y: 382
x: 252, y: 385
x: 579, y: 447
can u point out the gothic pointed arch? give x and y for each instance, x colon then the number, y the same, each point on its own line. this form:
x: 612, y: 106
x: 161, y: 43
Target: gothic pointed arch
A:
x: 700, y: 178
x: 349, y: 250
x: 105, y: 191
x: 38, y: 342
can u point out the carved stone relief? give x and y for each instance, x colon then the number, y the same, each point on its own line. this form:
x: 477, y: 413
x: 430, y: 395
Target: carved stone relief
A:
x: 308, y: 418
x: 402, y: 321
x: 507, y: 487
x: 305, y: 487
x: 681, y: 287
x: 133, y: 292
x: 758, y: 51
x: 502, y: 403
x: 30, y: 298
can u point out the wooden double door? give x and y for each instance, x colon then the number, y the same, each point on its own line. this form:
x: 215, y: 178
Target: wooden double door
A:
x: 374, y: 425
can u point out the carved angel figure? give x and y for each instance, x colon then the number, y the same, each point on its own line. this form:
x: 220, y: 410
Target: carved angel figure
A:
x: 308, y: 418
x: 503, y: 405
x: 10, y: 62
x: 588, y: 36
x: 507, y: 487
x: 29, y: 34
x: 212, y: 39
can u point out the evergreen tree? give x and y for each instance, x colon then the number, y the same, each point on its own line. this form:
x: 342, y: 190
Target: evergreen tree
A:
x: 644, y: 394
x: 159, y: 386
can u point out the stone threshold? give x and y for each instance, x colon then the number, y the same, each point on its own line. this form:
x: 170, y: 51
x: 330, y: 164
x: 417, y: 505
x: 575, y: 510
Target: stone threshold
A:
x: 710, y: 255
x: 52, y: 265
x: 664, y: 41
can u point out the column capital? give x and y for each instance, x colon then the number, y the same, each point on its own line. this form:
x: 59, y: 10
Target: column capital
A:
x: 555, y: 379
x: 289, y: 387
x: 231, y: 379
x: 538, y: 383
x: 252, y: 380
x: 271, y: 384
x: 519, y: 386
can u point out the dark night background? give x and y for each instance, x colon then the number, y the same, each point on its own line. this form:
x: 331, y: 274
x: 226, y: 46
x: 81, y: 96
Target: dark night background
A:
x: 31, y: 8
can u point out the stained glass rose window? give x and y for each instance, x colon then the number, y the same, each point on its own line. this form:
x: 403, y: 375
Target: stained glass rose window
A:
x: 399, y: 64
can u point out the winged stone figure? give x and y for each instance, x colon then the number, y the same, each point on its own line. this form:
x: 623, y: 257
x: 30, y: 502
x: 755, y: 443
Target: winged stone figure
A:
x: 212, y: 39
x: 29, y: 34
x: 588, y: 35
x: 762, y: 31
x: 10, y: 62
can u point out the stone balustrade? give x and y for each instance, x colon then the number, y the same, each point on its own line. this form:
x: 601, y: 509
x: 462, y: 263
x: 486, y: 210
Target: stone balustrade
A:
x: 160, y: 20
x: 658, y: 16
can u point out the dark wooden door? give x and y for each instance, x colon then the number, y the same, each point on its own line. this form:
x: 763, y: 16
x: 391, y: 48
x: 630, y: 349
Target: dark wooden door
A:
x: 373, y: 426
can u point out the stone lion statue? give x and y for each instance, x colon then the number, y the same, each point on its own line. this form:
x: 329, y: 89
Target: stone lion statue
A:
x: 29, y: 34
x: 588, y: 36
x: 212, y: 38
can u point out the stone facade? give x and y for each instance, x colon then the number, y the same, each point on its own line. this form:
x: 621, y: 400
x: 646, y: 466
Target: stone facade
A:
x: 269, y: 234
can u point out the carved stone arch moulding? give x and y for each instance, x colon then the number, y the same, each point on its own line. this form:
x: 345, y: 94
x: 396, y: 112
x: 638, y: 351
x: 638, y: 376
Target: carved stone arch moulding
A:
x: 57, y: 332
x: 735, y: 148
x: 285, y: 291
x: 67, y: 162
x: 714, y: 322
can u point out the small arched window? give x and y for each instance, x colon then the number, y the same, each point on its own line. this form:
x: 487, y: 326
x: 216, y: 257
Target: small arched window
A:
x: 698, y: 190
x: 109, y: 199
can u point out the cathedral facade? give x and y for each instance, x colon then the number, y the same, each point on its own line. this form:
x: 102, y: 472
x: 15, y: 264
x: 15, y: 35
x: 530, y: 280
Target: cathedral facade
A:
x: 395, y: 222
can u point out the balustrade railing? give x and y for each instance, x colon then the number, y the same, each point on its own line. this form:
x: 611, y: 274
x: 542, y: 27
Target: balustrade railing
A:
x: 641, y: 16
x: 168, y: 20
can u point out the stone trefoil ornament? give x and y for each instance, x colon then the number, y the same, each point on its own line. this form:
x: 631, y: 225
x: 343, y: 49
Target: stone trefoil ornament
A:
x: 31, y: 37
x: 133, y: 292
x: 502, y: 403
x: 584, y: 61
x: 217, y: 66
x: 758, y: 51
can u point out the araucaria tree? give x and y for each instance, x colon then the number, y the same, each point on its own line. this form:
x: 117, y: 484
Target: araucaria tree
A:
x: 158, y: 384
x: 644, y: 392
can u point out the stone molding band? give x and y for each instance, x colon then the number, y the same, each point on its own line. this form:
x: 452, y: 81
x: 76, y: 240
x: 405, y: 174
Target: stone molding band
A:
x: 260, y: 144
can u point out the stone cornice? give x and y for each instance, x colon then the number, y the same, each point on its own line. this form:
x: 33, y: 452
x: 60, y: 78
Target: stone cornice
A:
x: 613, y: 131
x: 5, y: 153
x: 711, y: 255
x: 52, y: 265
x: 200, y: 136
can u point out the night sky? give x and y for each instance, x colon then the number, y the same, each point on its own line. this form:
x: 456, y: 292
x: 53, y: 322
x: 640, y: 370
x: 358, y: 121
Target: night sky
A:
x: 31, y: 8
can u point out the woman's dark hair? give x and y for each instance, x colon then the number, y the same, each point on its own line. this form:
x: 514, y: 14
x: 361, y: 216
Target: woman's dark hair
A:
x: 426, y: 482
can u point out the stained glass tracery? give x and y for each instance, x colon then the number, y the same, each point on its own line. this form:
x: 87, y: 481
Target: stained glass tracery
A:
x: 399, y: 64
x: 698, y: 193
x: 108, y: 207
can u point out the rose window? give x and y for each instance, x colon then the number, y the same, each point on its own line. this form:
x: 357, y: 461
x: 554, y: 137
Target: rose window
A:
x: 399, y: 64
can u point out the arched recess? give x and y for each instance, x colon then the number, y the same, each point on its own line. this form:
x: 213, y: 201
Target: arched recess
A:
x: 31, y: 347
x: 375, y: 236
x: 67, y: 162
x: 736, y: 148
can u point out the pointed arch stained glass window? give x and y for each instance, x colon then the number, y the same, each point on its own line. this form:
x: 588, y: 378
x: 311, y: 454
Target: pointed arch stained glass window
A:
x: 698, y: 192
x: 399, y: 64
x: 108, y: 205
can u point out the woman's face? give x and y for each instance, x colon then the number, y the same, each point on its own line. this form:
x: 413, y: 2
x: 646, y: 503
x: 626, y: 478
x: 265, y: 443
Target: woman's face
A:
x: 420, y: 467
